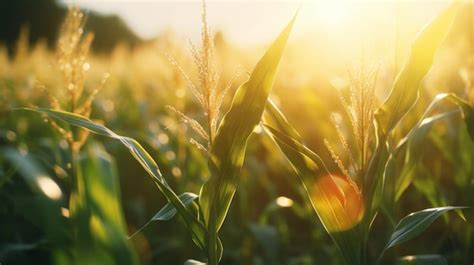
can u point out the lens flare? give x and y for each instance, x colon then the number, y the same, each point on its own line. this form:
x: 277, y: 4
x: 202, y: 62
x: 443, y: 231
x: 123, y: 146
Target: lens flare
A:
x: 338, y: 202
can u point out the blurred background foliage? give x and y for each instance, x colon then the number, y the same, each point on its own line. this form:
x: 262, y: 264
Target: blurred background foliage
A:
x: 269, y: 222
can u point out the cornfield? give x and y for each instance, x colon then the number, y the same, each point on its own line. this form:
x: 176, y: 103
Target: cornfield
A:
x: 207, y: 153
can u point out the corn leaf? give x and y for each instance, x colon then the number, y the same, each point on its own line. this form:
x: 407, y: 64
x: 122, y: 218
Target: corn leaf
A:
x: 169, y: 211
x: 196, y: 228
x: 404, y: 92
x: 413, y: 154
x: 415, y: 223
x: 402, y: 97
x: 419, y: 131
x: 42, y: 209
x: 309, y: 167
x: 96, y: 212
x: 228, y: 149
x: 466, y: 108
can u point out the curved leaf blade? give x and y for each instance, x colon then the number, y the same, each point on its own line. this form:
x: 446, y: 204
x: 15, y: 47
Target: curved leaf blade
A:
x: 415, y: 223
x: 96, y: 210
x: 413, y: 154
x: 419, y: 132
x: 197, y: 229
x: 228, y: 150
x: 169, y: 211
x: 466, y: 108
x: 405, y: 90
x: 308, y: 166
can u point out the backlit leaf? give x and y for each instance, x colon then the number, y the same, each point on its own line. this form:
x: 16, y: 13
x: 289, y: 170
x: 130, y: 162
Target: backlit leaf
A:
x: 415, y: 223
x: 405, y: 91
x: 228, y: 149
x: 139, y: 153
x: 169, y: 211
x: 328, y: 198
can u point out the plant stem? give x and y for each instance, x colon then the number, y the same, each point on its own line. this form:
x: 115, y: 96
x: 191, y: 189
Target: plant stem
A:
x: 75, y: 185
x: 212, y: 240
x: 210, y: 128
x: 365, y: 240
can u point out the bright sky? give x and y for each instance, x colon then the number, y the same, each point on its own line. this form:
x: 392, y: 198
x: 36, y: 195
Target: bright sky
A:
x: 250, y: 22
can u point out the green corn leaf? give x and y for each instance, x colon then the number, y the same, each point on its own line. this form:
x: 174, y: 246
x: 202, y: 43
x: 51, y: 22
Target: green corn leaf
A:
x: 405, y: 91
x: 402, y: 97
x: 139, y: 153
x: 96, y: 211
x: 415, y: 223
x: 33, y: 174
x: 466, y: 108
x: 45, y: 203
x: 96, y: 216
x: 419, y: 131
x: 228, y: 149
x: 169, y: 211
x: 413, y: 153
x: 309, y: 167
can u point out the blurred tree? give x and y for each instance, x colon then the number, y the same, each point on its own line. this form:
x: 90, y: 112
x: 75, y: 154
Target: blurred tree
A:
x: 43, y: 18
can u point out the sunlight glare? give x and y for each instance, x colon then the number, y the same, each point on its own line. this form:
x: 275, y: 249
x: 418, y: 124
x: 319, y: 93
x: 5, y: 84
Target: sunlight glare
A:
x: 332, y: 13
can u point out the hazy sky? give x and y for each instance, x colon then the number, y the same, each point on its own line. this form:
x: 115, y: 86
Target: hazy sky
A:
x: 246, y: 21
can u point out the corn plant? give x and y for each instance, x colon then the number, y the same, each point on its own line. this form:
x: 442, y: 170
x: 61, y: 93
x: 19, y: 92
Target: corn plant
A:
x: 348, y: 203
x: 97, y: 225
x: 225, y: 156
